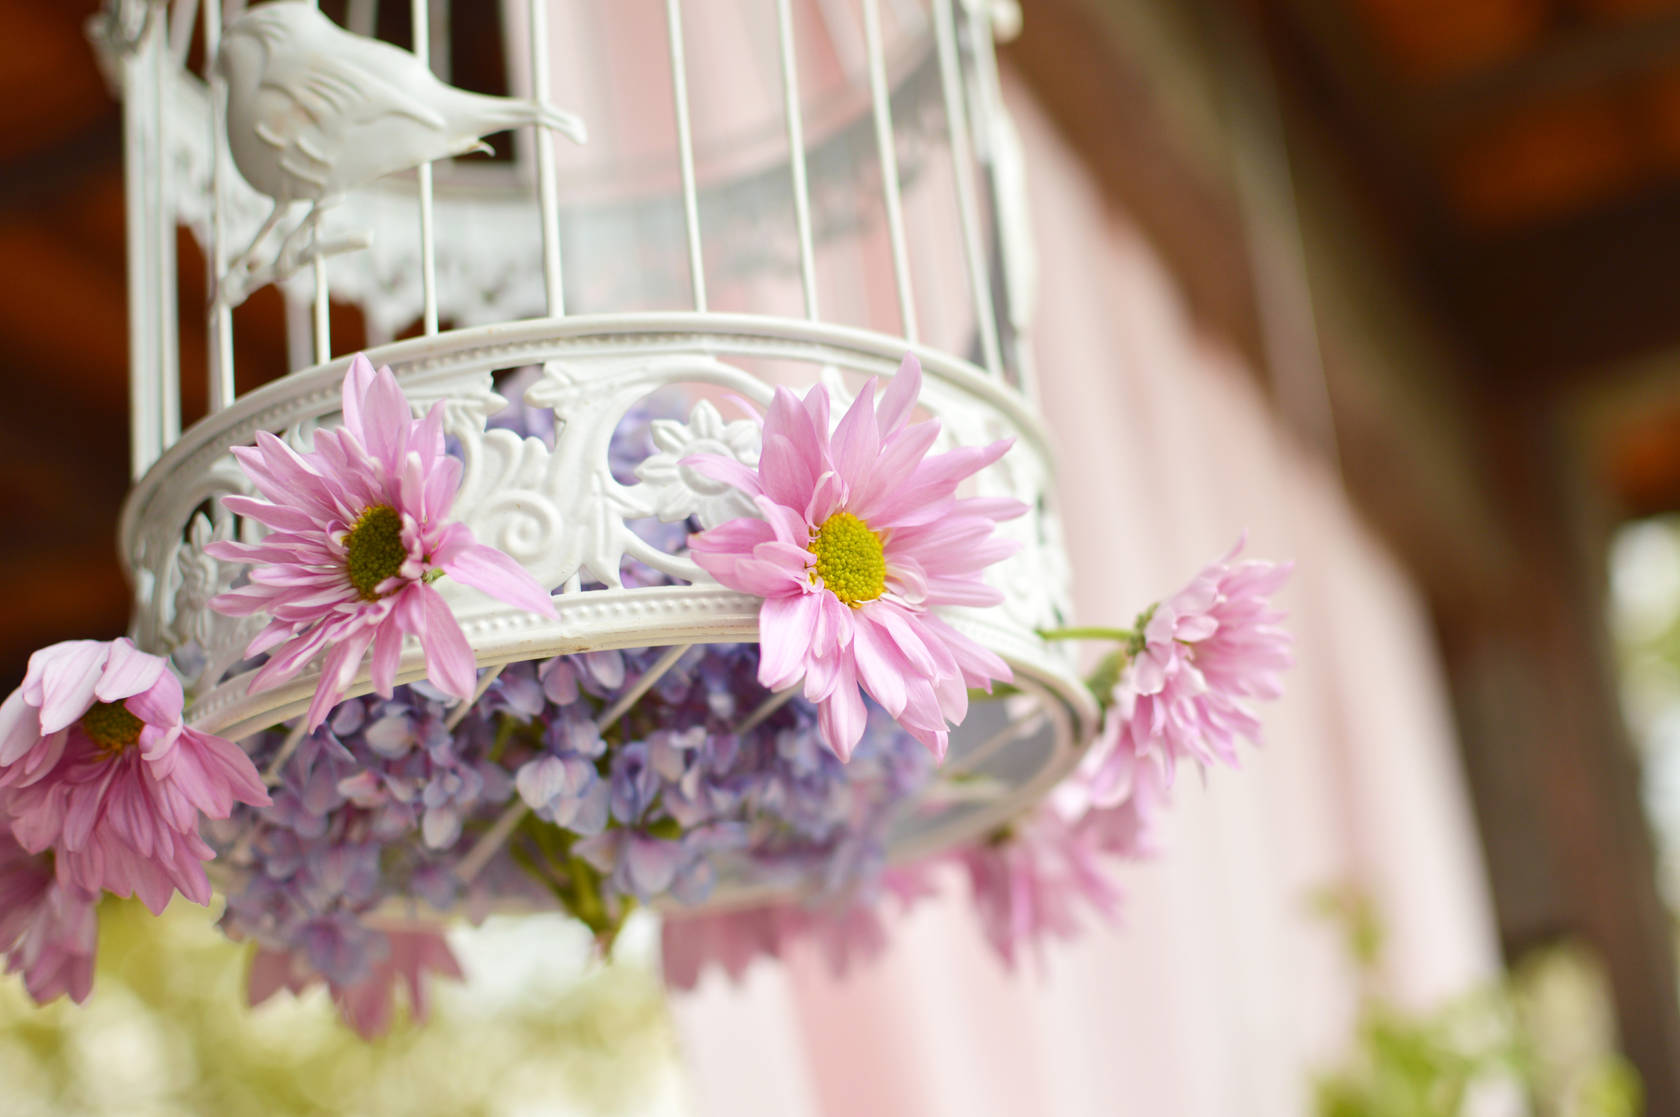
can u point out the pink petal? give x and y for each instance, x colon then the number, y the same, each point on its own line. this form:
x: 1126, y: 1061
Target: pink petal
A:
x: 83, y: 807
x: 903, y: 390
x: 218, y: 760
x: 358, y: 379
x: 966, y: 590
x: 823, y: 676
x: 841, y: 718
x: 283, y: 476
x: 935, y: 479
x: 788, y: 472
x: 450, y: 663
x: 37, y: 762
x: 784, y: 635
x: 814, y: 432
x: 271, y: 971
x: 489, y: 570
x: 768, y: 578
x: 910, y: 645
x: 426, y: 436
x: 906, y: 578
x: 290, y: 659
x: 725, y: 469
x: 338, y: 671
x: 281, y: 517
x: 879, y: 665
x: 159, y: 704
x: 788, y: 525
x: 977, y: 664
x: 737, y: 537
x: 383, y: 421
x: 443, y: 482
x: 791, y: 419
x: 897, y: 460
x: 19, y: 729
x: 387, y: 655
x: 1147, y: 674
x: 827, y: 496
x: 68, y: 687
x: 856, y: 441
x: 128, y: 671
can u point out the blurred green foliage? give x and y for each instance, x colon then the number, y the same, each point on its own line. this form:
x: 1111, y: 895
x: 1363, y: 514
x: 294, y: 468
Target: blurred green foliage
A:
x: 1541, y: 1035
x: 539, y: 1029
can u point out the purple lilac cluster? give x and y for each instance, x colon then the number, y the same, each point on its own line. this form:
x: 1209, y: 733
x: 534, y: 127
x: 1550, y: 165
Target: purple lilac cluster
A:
x: 375, y: 810
x: 651, y: 807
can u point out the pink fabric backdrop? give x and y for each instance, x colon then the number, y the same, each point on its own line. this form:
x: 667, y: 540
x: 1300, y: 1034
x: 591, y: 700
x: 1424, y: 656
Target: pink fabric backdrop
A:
x: 1221, y: 992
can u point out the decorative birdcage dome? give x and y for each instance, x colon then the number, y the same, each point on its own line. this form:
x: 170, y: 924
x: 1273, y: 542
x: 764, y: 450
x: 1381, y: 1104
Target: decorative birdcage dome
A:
x: 697, y: 204
x: 681, y: 537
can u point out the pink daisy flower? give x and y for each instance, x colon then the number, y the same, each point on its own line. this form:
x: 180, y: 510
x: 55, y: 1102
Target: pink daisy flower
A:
x: 358, y: 532
x: 369, y: 1006
x: 96, y: 765
x: 849, y: 933
x: 49, y: 930
x: 1125, y: 821
x: 731, y: 940
x: 1202, y: 655
x: 862, y: 537
x: 1031, y: 882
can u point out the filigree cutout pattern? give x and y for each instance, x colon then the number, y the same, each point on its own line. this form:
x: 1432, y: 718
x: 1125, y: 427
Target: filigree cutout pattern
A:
x: 557, y: 506
x: 679, y: 490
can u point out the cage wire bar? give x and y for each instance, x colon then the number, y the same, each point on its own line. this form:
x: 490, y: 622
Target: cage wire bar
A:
x: 984, y: 95
x: 154, y: 383
x: 361, y: 16
x: 881, y: 98
x: 548, y: 188
x: 180, y: 30
x: 685, y: 152
x: 318, y: 265
x: 968, y: 86
x: 160, y: 217
x: 142, y: 322
x: 420, y: 15
x: 962, y: 164
x: 220, y: 315
x: 796, y: 155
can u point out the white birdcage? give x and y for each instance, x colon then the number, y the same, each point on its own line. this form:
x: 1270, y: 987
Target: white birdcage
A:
x: 773, y: 191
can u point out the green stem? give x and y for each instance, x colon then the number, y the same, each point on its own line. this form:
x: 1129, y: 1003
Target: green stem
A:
x: 505, y: 730
x: 1118, y: 635
x: 999, y: 690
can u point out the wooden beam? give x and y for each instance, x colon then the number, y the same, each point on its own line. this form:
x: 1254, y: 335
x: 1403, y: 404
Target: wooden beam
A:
x: 1106, y: 108
x: 1554, y: 774
x: 1559, y: 302
x: 1583, y: 56
x: 1334, y: 66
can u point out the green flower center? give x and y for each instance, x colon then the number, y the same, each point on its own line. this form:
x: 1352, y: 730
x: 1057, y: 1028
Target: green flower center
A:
x: 851, y: 560
x: 374, y: 550
x: 112, y: 728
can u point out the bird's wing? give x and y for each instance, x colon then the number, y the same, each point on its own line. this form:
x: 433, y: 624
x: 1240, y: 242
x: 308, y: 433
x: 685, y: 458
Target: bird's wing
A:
x: 335, y: 93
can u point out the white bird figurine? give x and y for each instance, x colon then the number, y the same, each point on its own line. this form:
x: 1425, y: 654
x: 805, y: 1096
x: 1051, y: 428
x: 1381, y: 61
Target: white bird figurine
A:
x: 314, y: 110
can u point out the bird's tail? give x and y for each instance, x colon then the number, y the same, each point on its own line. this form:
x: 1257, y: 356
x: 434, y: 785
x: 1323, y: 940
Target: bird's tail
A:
x: 484, y: 115
x: 567, y: 124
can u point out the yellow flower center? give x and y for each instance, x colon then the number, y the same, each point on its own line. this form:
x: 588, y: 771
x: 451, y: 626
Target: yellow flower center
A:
x: 112, y: 728
x: 851, y: 560
x: 374, y: 550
